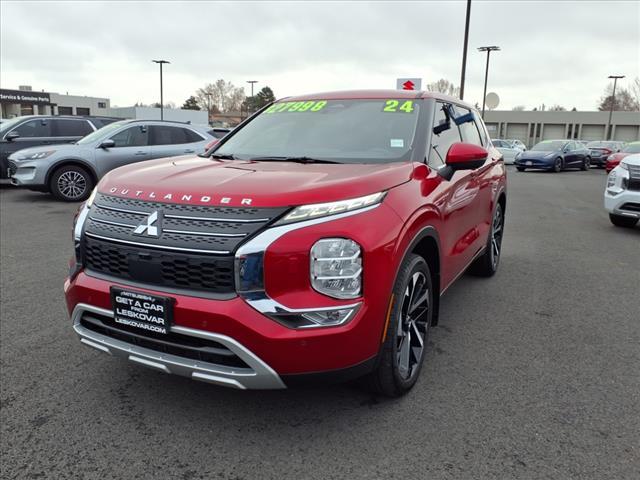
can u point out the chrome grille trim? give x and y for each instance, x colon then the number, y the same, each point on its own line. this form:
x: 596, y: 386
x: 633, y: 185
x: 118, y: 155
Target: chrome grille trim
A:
x: 159, y: 247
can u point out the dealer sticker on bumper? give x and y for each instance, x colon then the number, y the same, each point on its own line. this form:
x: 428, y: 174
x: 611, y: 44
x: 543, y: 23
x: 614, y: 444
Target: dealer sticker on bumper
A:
x: 141, y: 310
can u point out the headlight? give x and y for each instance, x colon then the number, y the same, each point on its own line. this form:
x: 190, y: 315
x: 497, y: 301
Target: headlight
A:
x: 91, y: 198
x: 624, y: 166
x: 308, y: 212
x: 611, y: 180
x: 336, y: 267
x: 36, y: 156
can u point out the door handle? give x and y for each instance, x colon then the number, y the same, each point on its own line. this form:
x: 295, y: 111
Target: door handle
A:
x: 141, y: 153
x: 189, y: 151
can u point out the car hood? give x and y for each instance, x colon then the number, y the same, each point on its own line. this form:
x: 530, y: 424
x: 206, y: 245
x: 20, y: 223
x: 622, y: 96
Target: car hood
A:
x: 198, y: 181
x: 63, y: 147
x: 537, y: 154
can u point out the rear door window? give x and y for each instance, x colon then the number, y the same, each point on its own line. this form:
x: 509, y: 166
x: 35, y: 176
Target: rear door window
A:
x: 34, y: 129
x: 165, y: 135
x: 132, y: 137
x: 70, y: 128
x: 441, y: 142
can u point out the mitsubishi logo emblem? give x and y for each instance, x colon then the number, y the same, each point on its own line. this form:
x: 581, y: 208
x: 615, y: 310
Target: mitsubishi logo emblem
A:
x: 151, y: 225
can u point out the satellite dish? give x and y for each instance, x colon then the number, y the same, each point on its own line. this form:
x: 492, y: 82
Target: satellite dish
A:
x: 492, y: 100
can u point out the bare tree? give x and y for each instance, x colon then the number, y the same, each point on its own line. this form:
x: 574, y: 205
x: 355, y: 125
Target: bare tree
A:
x: 220, y: 96
x: 625, y: 100
x: 557, y: 108
x: 635, y: 90
x: 444, y: 86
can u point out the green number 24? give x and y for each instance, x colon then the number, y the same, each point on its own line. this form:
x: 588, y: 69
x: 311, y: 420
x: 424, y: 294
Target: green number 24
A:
x: 392, y: 106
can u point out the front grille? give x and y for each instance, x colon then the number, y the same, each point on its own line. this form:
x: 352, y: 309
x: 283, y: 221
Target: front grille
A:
x: 172, y: 343
x: 12, y: 168
x: 193, y: 247
x: 634, y: 177
x: 631, y: 206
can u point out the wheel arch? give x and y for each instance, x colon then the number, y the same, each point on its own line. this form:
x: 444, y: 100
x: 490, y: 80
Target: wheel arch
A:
x: 427, y: 245
x: 73, y: 162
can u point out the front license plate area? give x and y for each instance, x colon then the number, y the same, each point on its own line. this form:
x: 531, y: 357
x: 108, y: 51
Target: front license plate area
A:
x: 529, y: 163
x: 142, y: 311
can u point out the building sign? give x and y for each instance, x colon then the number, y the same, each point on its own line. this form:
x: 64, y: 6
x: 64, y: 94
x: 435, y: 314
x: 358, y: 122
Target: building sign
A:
x: 24, y: 96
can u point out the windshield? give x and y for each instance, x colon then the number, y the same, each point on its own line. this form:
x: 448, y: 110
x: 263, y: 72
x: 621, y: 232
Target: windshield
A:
x: 343, y: 131
x: 101, y: 133
x: 632, y: 148
x: 10, y: 124
x: 549, y: 145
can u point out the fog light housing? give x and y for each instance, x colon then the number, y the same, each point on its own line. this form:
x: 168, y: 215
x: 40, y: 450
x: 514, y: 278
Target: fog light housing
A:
x: 336, y: 268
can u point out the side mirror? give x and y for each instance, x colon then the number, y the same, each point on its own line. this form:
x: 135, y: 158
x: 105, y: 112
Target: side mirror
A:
x: 107, y: 144
x: 466, y: 156
x: 11, y: 136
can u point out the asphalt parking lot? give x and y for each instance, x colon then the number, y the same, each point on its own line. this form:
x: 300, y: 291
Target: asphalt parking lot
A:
x: 534, y: 373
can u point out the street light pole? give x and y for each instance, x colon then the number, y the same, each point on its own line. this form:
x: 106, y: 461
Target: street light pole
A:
x: 490, y: 49
x: 252, y: 82
x: 161, y: 62
x: 464, y: 50
x: 208, y: 106
x: 613, y: 102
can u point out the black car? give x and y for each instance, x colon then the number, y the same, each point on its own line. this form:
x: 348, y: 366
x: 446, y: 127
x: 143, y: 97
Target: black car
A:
x: 600, y: 151
x: 35, y: 130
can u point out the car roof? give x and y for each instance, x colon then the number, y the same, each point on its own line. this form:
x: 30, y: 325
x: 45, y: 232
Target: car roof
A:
x: 376, y: 95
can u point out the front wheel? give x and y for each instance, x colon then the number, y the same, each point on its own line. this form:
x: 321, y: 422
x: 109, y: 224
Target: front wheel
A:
x: 487, y: 264
x: 71, y: 184
x: 520, y: 169
x: 557, y: 165
x: 586, y: 164
x: 620, y: 221
x: 405, y: 339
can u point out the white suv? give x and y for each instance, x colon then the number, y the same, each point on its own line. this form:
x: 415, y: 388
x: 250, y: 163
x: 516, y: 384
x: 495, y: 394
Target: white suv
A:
x: 622, y: 195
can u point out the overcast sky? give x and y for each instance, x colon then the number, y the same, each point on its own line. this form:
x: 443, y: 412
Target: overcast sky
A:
x: 553, y: 52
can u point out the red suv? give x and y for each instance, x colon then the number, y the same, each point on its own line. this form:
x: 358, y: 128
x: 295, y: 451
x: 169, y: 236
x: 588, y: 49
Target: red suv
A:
x: 313, y: 241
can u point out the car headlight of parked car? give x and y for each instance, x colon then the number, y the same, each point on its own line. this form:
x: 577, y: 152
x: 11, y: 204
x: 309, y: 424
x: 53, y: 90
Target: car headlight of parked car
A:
x: 336, y: 267
x: 36, y: 156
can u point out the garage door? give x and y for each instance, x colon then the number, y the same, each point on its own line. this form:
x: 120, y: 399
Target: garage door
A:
x: 517, y: 131
x: 553, y: 131
x: 626, y: 133
x: 592, y: 132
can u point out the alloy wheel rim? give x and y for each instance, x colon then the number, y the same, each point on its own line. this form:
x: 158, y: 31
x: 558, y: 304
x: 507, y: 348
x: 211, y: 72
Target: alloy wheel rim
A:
x: 412, y: 326
x: 72, y: 184
x: 496, y: 237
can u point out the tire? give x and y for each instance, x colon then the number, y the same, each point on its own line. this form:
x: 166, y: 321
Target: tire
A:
x: 557, y: 165
x: 620, y: 221
x: 487, y: 264
x: 520, y: 169
x: 586, y: 164
x: 406, y: 337
x: 71, y: 183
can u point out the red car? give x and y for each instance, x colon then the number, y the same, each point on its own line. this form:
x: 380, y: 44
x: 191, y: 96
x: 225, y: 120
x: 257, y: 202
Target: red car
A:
x: 312, y: 242
x: 614, y: 160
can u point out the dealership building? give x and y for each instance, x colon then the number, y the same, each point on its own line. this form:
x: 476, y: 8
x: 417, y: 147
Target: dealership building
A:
x: 25, y: 101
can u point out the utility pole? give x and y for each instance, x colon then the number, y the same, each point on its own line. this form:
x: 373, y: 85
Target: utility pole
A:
x: 490, y: 49
x: 252, y: 82
x: 208, y: 94
x: 161, y: 62
x: 464, y: 50
x: 613, y: 102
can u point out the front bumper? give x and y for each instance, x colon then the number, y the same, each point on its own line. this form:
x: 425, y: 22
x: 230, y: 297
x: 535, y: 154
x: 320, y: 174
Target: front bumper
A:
x: 624, y: 204
x: 534, y: 163
x: 26, y: 174
x: 254, y: 374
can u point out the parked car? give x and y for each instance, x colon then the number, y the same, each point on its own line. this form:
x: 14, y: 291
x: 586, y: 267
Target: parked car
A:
x: 507, y: 150
x: 517, y: 143
x: 622, y: 195
x: 614, y: 159
x: 70, y: 172
x: 34, y: 130
x: 601, y: 150
x: 555, y: 155
x: 217, y: 133
x: 313, y: 243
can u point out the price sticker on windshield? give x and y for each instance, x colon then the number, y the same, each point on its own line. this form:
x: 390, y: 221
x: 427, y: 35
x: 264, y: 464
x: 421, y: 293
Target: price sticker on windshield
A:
x: 398, y: 106
x: 286, y: 107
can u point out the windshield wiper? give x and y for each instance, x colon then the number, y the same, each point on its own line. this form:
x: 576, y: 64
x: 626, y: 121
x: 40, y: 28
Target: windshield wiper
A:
x: 223, y: 156
x: 291, y: 159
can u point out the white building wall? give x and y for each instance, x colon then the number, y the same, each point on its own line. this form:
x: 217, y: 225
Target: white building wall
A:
x: 195, y: 117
